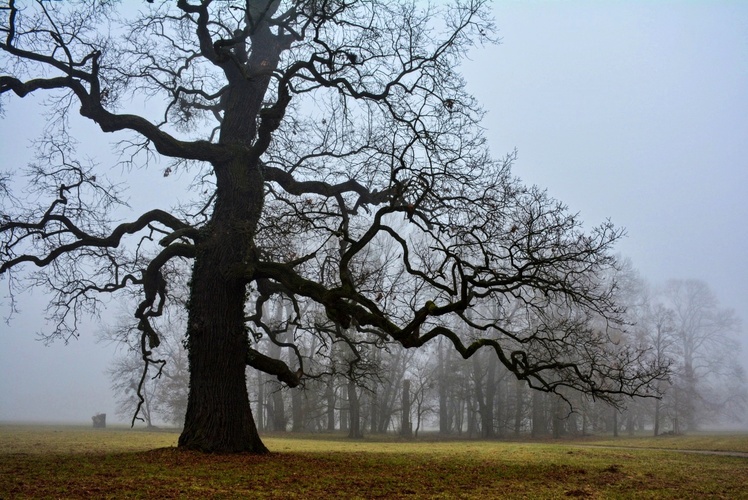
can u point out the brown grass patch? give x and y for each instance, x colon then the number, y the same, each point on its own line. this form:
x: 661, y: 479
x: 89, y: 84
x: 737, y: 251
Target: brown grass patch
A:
x: 121, y: 465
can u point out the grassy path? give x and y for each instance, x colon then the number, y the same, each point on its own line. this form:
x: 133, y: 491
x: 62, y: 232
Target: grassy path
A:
x: 738, y: 454
x: 702, y: 441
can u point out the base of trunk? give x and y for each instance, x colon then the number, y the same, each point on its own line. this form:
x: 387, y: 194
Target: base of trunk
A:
x: 215, y: 437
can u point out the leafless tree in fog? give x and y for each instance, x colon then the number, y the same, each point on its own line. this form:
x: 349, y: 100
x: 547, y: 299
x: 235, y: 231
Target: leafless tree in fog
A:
x: 708, y: 381
x: 312, y: 128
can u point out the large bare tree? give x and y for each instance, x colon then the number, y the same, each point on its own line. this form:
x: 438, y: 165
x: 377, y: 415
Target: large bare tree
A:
x: 313, y: 128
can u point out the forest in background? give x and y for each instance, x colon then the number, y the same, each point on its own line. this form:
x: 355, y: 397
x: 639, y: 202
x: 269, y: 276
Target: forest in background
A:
x: 374, y: 387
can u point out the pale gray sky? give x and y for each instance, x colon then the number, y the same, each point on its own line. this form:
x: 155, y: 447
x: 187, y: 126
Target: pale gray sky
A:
x: 635, y: 111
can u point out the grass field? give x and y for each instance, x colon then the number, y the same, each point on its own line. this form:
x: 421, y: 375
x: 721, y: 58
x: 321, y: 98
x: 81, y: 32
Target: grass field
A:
x: 71, y: 462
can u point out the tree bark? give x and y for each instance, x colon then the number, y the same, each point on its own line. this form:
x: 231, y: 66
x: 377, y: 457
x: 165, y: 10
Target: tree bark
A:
x: 374, y: 412
x: 297, y: 411
x: 406, y: 426
x: 539, y: 422
x: 478, y: 379
x: 615, y: 422
x: 354, y: 412
x: 558, y: 418
x: 279, y: 420
x: 630, y: 423
x: 330, y: 398
x: 343, y: 410
x: 584, y: 423
x: 518, y: 399
x: 219, y: 418
x: 444, y: 420
x: 260, y: 400
x: 485, y: 393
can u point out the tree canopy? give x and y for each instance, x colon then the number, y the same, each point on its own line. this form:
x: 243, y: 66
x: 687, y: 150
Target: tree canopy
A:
x: 318, y: 134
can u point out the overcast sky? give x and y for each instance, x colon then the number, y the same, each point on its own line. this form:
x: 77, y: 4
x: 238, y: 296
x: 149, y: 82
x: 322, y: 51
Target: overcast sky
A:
x: 633, y: 111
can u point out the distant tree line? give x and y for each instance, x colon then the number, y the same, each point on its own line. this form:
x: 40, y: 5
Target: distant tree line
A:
x: 377, y: 387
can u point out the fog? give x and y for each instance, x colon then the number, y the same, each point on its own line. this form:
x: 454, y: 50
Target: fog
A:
x: 633, y: 111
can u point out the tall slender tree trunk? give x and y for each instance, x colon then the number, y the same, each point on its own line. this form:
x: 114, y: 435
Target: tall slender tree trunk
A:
x: 478, y: 380
x: 260, y: 399
x: 461, y: 407
x: 297, y: 411
x: 539, y: 422
x: 444, y: 420
x: 584, y: 423
x: 343, y: 410
x: 518, y: 410
x: 630, y: 423
x: 354, y: 412
x: 406, y: 426
x: 374, y: 411
x: 691, y: 395
x: 558, y: 418
x: 386, y: 402
x: 279, y: 410
x: 501, y: 405
x: 487, y: 409
x: 330, y: 399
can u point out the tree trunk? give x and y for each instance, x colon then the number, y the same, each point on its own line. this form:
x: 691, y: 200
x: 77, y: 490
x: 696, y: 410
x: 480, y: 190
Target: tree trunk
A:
x: 406, y: 427
x: 444, y: 420
x: 539, y: 422
x: 615, y: 422
x: 386, y: 403
x: 330, y: 398
x: 558, y: 417
x: 297, y: 410
x: 419, y: 413
x: 219, y: 418
x: 478, y: 379
x: 518, y: 399
x: 630, y: 423
x: 343, y: 410
x: 486, y: 397
x: 460, y: 407
x: 502, y: 404
x: 279, y: 409
x: 260, y: 399
x: 691, y: 395
x: 572, y: 424
x: 584, y: 423
x: 472, y: 419
x: 374, y: 412
x: 354, y: 412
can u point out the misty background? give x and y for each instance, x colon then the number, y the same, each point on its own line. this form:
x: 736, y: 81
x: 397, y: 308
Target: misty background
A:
x: 633, y: 111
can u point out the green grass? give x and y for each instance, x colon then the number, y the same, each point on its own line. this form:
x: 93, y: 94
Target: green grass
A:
x: 69, y: 462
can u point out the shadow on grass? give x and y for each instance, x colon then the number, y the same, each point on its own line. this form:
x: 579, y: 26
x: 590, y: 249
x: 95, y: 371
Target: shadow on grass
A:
x: 447, y: 470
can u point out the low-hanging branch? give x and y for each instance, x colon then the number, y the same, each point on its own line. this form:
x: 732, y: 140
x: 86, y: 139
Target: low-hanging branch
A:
x: 82, y: 239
